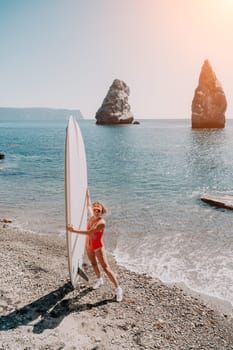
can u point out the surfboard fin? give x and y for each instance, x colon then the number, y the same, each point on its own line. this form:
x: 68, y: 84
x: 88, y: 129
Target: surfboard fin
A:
x: 82, y: 274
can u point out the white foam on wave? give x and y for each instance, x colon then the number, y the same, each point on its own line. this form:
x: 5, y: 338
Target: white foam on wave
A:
x: 209, y: 274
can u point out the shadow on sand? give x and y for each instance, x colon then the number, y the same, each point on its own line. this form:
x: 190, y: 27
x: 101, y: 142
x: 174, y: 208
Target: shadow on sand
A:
x: 50, y: 309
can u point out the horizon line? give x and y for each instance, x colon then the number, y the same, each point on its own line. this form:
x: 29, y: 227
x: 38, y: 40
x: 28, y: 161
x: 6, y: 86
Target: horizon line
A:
x: 93, y: 117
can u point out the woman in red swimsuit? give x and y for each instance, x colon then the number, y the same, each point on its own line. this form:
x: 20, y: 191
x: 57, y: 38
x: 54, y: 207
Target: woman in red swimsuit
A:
x: 95, y: 246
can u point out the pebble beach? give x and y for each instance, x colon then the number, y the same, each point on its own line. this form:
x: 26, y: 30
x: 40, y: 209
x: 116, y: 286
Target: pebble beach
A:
x: 40, y: 310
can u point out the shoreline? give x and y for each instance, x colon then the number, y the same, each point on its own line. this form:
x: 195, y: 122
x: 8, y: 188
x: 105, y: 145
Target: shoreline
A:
x: 40, y: 310
x: 224, y: 307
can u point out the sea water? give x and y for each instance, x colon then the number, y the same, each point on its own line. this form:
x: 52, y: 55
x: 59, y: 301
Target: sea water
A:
x: 150, y: 176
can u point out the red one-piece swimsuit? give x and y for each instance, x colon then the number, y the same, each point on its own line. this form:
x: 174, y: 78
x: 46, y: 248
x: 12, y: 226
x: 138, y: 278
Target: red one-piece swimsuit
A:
x: 94, y: 240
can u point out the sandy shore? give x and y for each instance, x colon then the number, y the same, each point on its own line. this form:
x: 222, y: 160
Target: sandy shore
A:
x: 39, y: 309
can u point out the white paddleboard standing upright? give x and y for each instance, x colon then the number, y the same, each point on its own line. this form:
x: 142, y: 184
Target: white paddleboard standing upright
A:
x: 75, y: 198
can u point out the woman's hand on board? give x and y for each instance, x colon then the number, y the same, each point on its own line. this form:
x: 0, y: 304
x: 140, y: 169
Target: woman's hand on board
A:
x: 70, y: 228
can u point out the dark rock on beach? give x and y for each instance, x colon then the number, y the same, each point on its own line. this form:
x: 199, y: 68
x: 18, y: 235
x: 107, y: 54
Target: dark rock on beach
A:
x: 209, y: 103
x: 5, y: 220
x: 115, y: 108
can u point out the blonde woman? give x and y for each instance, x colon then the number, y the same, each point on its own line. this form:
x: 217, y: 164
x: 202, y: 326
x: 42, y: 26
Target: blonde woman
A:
x: 95, y: 245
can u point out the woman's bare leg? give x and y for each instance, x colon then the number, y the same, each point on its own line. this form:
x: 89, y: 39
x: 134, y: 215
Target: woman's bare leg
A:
x: 101, y: 256
x: 92, y: 257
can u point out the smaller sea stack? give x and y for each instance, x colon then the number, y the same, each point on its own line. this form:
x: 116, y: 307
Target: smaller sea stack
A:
x: 115, y: 108
x: 209, y: 103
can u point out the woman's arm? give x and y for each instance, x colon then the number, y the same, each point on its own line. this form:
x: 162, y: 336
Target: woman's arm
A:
x: 89, y: 206
x: 99, y: 227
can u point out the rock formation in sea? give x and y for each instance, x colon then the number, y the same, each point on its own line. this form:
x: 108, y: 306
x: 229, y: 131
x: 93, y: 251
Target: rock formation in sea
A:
x: 115, y: 108
x: 209, y: 102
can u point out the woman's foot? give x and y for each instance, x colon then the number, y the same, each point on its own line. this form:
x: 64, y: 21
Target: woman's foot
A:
x: 119, y: 294
x: 98, y: 283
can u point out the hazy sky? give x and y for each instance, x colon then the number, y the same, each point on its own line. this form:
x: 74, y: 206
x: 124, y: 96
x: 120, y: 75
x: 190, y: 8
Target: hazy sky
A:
x: 66, y: 53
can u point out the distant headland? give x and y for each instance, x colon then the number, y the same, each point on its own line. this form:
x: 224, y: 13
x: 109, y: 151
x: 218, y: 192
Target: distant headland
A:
x: 38, y: 113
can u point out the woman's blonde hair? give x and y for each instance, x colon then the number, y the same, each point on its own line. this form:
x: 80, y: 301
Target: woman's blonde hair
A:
x: 104, y: 209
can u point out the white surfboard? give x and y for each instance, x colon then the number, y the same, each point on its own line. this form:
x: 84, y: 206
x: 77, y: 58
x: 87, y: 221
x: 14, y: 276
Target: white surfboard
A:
x: 75, y: 198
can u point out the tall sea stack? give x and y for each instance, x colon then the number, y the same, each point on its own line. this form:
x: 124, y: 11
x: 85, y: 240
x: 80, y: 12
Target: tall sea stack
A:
x: 209, y: 103
x: 115, y: 108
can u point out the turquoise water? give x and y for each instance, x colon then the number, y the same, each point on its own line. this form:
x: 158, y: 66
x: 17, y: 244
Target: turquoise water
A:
x: 150, y: 176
